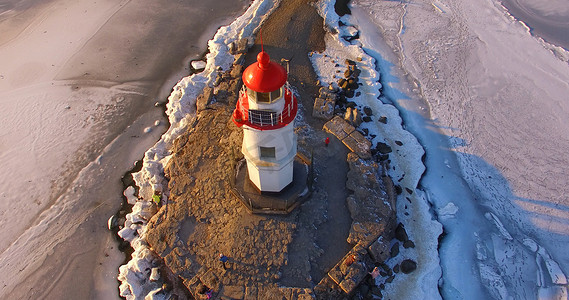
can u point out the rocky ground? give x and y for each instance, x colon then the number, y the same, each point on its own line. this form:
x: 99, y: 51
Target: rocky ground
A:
x: 324, y: 248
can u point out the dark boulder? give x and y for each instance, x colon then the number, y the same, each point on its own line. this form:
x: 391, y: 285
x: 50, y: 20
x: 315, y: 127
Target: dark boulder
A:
x: 401, y: 233
x: 383, y: 148
x: 394, y: 250
x: 408, y: 244
x: 408, y: 266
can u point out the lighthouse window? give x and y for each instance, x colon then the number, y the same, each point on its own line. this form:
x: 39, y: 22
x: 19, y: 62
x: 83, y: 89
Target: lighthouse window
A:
x: 263, y: 97
x: 275, y: 94
x: 267, y: 152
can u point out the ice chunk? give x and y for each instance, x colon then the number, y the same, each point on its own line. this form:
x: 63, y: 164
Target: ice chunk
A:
x: 198, y: 64
x: 129, y: 194
x: 555, y: 273
x: 492, y: 217
x: 493, y: 281
x: 481, y: 251
x: 448, y: 211
x: 112, y: 222
x: 530, y: 244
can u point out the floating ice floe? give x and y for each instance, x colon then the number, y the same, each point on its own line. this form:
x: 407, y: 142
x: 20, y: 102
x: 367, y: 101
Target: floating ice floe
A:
x: 198, y: 64
x: 448, y: 211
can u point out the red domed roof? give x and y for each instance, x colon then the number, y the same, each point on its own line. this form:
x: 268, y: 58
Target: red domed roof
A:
x: 264, y: 76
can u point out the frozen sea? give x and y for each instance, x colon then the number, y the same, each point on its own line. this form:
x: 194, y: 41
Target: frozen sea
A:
x: 483, y: 97
x: 79, y: 81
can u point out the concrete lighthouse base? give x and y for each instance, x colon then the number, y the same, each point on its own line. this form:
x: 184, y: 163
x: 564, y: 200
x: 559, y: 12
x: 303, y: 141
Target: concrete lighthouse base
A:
x: 282, y: 202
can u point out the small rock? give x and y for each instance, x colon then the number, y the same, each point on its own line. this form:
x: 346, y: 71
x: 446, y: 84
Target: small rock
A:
x: 239, y: 59
x: 368, y: 111
x: 399, y: 143
x: 398, y: 190
x: 408, y: 266
x: 382, y: 119
x: 366, y: 119
x: 353, y: 116
x: 401, y: 233
x: 232, y: 48
x: 408, y: 244
x: 154, y: 274
x: 353, y: 84
x: 236, y: 71
x: 242, y: 45
x: 323, y: 109
x: 343, y: 83
x: 396, y: 268
x: 394, y: 250
x: 383, y: 148
x: 204, y: 99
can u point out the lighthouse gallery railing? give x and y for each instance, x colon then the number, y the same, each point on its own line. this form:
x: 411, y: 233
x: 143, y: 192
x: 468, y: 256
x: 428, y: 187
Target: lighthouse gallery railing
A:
x: 266, y: 117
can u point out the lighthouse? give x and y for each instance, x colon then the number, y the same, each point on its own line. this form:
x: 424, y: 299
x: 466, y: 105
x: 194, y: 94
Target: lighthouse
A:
x: 266, y: 110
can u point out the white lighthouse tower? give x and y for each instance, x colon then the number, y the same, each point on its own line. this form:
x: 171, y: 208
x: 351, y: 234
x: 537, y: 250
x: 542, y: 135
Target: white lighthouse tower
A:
x: 266, y: 110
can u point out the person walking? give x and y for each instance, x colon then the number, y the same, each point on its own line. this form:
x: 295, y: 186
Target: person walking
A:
x: 223, y: 259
